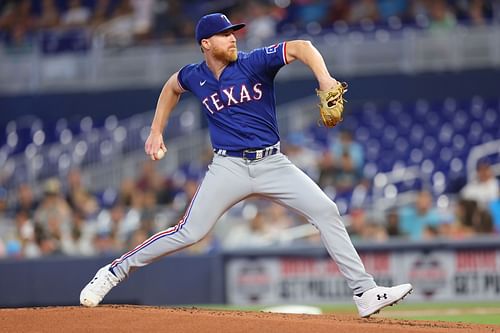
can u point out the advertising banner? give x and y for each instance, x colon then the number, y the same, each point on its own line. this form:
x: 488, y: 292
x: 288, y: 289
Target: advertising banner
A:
x: 435, y: 275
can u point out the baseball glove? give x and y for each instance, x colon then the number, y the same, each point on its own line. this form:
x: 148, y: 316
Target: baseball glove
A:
x: 331, y: 104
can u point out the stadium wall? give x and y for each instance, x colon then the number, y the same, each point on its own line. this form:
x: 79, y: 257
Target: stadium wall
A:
x: 58, y: 281
x: 442, y: 270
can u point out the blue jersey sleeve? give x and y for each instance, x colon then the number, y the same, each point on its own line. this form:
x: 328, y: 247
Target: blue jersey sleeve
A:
x: 268, y: 60
x: 183, y: 76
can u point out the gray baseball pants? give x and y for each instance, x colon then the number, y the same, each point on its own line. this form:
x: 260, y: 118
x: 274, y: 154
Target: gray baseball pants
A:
x: 232, y: 179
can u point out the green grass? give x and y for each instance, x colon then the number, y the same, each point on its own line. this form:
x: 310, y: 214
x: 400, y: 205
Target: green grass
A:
x: 463, y: 318
x: 474, y: 312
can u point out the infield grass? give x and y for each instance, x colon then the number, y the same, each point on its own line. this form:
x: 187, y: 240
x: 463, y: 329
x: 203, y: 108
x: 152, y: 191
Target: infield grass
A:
x: 474, y: 312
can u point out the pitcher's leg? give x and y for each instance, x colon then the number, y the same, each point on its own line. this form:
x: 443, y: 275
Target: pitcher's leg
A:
x: 287, y: 184
x: 224, y: 185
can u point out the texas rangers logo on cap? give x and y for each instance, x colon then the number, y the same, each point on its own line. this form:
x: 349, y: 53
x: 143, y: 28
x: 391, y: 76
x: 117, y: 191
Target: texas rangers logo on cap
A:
x: 213, y: 24
x: 225, y: 18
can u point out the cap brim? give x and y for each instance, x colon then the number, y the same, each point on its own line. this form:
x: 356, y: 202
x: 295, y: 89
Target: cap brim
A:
x: 234, y: 27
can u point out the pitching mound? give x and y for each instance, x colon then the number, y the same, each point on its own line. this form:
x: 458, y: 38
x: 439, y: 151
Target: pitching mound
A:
x: 180, y: 320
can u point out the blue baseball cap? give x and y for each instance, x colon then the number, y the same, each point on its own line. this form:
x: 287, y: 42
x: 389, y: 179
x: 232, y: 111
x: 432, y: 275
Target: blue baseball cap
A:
x: 213, y: 24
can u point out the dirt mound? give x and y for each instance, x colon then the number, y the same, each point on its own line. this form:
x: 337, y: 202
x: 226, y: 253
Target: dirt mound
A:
x: 181, y: 320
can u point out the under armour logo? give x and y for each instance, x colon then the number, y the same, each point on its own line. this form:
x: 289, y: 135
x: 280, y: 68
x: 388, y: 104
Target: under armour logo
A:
x: 202, y: 83
x: 384, y: 296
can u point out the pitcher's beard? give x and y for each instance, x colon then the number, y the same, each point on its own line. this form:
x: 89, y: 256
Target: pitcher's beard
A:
x: 226, y: 55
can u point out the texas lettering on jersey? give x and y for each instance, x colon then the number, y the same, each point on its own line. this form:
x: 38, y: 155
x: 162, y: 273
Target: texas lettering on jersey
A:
x: 240, y: 105
x: 234, y: 95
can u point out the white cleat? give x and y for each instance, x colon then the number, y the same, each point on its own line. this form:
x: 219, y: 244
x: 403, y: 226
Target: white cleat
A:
x: 373, y: 300
x: 98, y: 287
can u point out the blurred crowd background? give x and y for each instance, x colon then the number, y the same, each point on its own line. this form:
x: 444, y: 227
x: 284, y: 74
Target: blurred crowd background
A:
x: 24, y: 23
x: 66, y: 215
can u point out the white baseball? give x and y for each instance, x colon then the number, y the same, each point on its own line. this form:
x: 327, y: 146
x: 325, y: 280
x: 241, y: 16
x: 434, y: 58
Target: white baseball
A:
x: 160, y: 154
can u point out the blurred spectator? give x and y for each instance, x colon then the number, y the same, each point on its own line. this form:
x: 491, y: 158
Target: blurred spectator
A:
x: 18, y: 41
x: 391, y: 8
x: 361, y: 194
x: 148, y: 213
x: 82, y: 237
x: 278, y: 217
x: 347, y: 145
x: 100, y: 13
x: 166, y: 193
x: 494, y: 209
x: 137, y: 237
x: 119, y: 30
x: 171, y: 22
x: 17, y: 14
x: 6, y: 223
x: 419, y: 12
x: 326, y: 170
x: 77, y: 15
x: 392, y: 219
x: 6, y: 13
x: 475, y: 12
x: 143, y: 17
x: 261, y: 23
x: 362, y: 229
x: 111, y: 230
x: 86, y: 204
x: 301, y: 155
x: 78, y: 196
x: 340, y: 10
x: 3, y: 250
x: 183, y: 199
x: 26, y: 200
x: 484, y: 188
x: 415, y: 219
x: 25, y: 234
x: 347, y: 175
x: 473, y: 218
x: 441, y: 15
x: 48, y: 238
x: 311, y: 12
x: 149, y: 179
x: 18, y: 22
x: 52, y: 218
x: 3, y: 203
x: 363, y: 10
x: 49, y: 16
x: 257, y: 232
x: 17, y: 235
x: 341, y: 166
x: 127, y: 189
x: 131, y: 220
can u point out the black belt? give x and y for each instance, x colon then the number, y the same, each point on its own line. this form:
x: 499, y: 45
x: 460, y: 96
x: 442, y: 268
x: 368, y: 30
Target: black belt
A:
x: 250, y: 154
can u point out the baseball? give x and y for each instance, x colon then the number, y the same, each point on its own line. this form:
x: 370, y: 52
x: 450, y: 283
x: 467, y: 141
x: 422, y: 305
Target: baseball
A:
x: 160, y: 154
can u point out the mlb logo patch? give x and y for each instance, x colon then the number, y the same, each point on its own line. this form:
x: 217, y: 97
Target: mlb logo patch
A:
x: 272, y: 49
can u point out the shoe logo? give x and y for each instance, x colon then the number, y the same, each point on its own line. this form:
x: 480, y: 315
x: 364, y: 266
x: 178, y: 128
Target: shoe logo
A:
x: 202, y: 83
x: 379, y: 297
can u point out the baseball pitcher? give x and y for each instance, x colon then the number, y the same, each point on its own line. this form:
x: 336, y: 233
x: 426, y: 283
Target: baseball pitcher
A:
x: 236, y: 90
